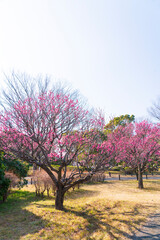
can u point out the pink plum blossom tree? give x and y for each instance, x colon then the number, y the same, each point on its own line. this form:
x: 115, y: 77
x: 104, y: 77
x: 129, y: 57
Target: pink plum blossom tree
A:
x: 137, y: 146
x: 47, y: 127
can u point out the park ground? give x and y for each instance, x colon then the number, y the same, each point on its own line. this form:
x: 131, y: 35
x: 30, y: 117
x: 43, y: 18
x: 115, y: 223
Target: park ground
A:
x: 111, y: 210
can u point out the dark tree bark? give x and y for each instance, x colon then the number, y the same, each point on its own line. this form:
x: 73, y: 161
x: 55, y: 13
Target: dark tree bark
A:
x: 140, y: 178
x: 59, y: 198
x: 5, y: 197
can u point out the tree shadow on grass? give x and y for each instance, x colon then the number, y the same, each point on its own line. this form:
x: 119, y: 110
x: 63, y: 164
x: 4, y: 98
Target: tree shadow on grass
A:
x: 15, y: 220
x: 103, y: 219
x: 97, y: 222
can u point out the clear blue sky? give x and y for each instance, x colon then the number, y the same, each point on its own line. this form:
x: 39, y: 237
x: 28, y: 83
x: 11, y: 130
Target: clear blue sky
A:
x: 108, y: 49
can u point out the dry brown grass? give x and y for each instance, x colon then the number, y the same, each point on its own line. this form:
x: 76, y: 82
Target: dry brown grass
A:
x: 106, y: 211
x: 13, y: 178
x: 43, y: 183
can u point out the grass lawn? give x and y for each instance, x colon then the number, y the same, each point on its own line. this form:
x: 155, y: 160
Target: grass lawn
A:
x: 112, y: 210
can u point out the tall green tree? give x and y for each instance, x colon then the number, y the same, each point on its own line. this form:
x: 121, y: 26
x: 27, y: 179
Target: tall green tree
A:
x: 122, y: 120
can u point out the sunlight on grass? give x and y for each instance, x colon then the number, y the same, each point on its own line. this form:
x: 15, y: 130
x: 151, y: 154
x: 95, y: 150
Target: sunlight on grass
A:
x: 100, y: 211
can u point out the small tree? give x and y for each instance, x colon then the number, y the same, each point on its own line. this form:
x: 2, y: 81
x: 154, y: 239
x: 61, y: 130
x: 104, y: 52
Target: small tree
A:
x: 43, y: 183
x: 155, y: 110
x: 4, y: 182
x: 46, y: 127
x: 137, y: 146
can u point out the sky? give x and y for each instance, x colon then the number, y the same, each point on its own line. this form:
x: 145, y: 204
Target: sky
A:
x: 107, y: 49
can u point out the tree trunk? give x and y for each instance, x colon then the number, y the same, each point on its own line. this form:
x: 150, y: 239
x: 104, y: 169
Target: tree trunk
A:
x: 5, y: 197
x: 140, y: 179
x: 59, y: 198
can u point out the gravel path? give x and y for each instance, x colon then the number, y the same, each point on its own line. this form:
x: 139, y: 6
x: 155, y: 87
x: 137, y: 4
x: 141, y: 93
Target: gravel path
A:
x: 150, y: 230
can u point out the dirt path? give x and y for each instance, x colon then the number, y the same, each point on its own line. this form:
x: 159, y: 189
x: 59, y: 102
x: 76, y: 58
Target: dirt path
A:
x: 150, y: 230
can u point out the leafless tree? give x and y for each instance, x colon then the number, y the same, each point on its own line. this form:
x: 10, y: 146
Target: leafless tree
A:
x: 155, y: 110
